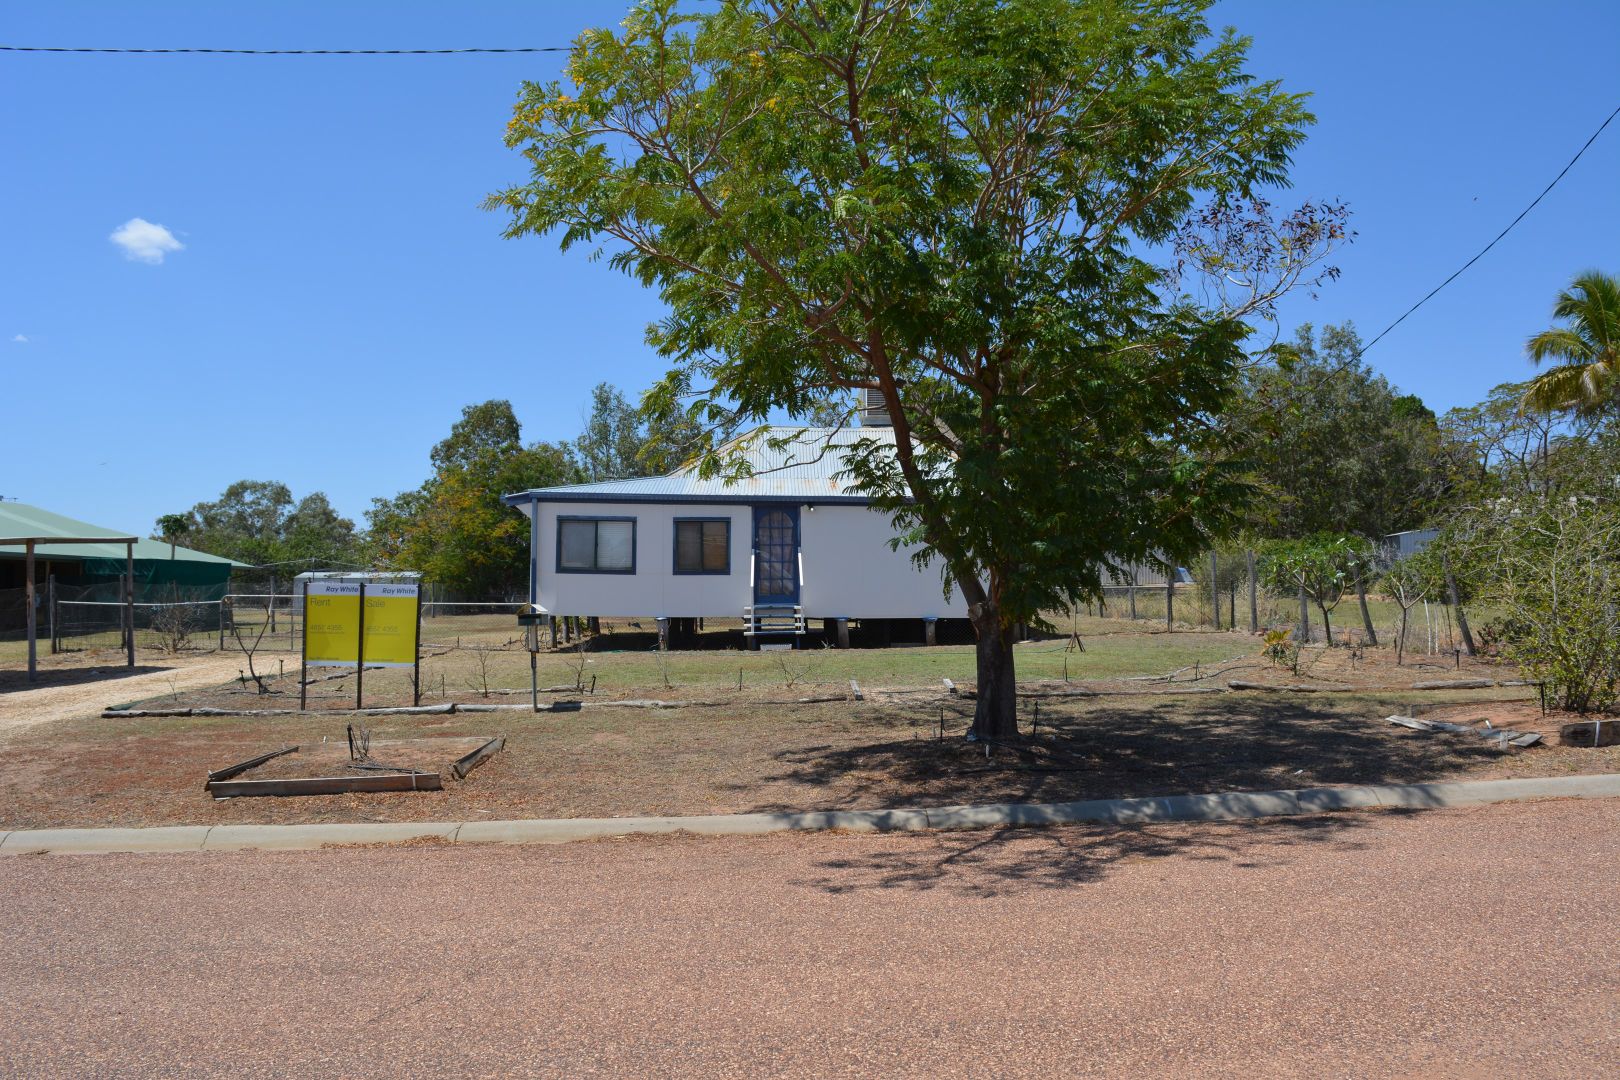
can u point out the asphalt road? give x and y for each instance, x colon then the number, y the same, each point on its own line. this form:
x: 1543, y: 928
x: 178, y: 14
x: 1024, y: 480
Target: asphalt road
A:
x: 1478, y: 942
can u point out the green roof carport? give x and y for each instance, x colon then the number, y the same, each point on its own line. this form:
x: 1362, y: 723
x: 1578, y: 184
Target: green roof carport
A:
x: 28, y: 533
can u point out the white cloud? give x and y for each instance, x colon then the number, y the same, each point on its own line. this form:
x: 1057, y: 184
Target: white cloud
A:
x: 21, y: 339
x: 145, y: 242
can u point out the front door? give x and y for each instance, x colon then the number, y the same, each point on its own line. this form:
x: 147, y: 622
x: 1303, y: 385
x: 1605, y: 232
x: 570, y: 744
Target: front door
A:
x: 776, y: 555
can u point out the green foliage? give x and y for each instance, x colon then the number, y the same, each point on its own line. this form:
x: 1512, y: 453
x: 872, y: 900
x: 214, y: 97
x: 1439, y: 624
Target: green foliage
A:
x: 174, y: 527
x: 1498, y: 448
x: 1409, y: 582
x: 622, y: 441
x: 1231, y: 574
x: 1325, y: 566
x: 948, y: 204
x: 454, y: 529
x: 1336, y: 447
x: 257, y: 521
x: 609, y: 447
x: 1550, y: 566
x: 1414, y: 579
x: 1279, y: 647
x: 1587, y: 382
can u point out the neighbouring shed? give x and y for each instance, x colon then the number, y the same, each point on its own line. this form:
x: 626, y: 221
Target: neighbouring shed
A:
x: 37, y: 545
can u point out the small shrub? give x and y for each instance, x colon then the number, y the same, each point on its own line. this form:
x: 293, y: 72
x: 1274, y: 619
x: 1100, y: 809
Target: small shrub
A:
x: 1281, y: 649
x: 1549, y: 565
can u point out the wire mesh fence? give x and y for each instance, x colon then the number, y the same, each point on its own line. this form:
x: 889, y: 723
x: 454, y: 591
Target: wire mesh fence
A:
x: 1185, y: 605
x: 73, y: 623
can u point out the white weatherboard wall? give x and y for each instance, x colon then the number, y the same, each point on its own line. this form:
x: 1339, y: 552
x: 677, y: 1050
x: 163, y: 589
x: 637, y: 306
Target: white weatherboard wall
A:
x: 849, y: 570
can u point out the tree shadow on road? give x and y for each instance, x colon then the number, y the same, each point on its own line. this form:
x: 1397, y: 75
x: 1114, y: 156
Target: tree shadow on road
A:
x: 990, y: 863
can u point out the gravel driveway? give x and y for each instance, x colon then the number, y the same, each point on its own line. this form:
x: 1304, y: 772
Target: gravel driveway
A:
x: 1476, y: 942
x: 87, y: 695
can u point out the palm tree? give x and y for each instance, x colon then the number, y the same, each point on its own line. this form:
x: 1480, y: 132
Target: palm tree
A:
x: 1588, y: 380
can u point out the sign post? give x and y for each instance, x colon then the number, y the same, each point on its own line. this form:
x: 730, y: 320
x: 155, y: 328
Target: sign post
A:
x: 360, y: 653
x: 416, y: 657
x: 303, y: 653
x: 529, y: 620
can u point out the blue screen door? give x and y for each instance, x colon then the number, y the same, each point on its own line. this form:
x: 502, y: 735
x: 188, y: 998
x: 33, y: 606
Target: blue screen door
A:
x: 776, y: 555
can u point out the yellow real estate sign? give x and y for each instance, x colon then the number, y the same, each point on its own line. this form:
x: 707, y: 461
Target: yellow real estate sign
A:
x: 391, y: 625
x: 332, y: 624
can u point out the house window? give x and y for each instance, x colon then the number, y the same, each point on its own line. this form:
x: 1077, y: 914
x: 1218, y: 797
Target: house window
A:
x: 703, y: 545
x: 604, y: 545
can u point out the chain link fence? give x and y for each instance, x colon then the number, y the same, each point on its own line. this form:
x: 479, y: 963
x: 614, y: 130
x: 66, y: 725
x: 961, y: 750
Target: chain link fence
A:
x: 172, y: 618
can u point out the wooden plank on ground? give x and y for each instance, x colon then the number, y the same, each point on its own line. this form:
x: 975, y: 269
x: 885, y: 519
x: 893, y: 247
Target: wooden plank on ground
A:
x: 328, y: 785
x: 1590, y: 733
x: 243, y: 766
x: 469, y: 762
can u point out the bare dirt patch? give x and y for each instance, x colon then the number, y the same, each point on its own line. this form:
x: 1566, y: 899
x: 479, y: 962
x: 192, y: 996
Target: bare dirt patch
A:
x: 754, y: 757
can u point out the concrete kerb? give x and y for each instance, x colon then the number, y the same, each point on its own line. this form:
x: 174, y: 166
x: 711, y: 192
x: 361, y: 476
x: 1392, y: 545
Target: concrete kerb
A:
x: 1225, y: 806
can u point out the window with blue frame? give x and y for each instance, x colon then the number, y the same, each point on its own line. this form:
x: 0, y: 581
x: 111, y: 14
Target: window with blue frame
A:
x: 596, y: 545
x: 703, y: 545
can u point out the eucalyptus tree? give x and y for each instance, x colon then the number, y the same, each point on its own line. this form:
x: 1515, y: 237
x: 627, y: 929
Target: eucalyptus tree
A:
x: 1034, y: 228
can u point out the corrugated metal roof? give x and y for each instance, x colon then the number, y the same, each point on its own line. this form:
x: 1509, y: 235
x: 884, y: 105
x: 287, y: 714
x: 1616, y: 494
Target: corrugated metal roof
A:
x: 23, y: 522
x: 19, y: 521
x: 803, y: 464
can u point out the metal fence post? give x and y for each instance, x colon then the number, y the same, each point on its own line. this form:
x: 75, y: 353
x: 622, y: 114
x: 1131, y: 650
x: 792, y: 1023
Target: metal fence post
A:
x: 360, y: 652
x: 129, y: 600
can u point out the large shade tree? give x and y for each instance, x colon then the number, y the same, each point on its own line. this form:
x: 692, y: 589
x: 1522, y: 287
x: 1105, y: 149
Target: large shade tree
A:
x: 1033, y: 227
x: 1336, y: 447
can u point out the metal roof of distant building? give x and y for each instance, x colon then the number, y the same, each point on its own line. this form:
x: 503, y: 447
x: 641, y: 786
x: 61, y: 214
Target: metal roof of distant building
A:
x: 19, y: 521
x: 803, y: 469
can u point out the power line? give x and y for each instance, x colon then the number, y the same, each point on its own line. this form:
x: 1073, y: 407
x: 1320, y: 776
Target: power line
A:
x: 283, y: 52
x: 1458, y: 272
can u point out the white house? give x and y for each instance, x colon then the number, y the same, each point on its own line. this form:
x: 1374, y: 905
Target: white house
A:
x: 785, y: 546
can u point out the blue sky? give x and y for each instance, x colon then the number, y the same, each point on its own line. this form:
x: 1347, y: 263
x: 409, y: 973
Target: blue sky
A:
x: 339, y: 295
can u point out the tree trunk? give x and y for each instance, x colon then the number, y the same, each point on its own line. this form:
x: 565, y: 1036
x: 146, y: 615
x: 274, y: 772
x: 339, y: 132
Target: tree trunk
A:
x: 1456, y: 604
x: 995, y: 713
x: 1254, y: 599
x: 1366, y: 616
x: 1327, y: 625
x: 1400, y: 642
x: 1304, y: 633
